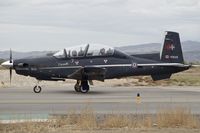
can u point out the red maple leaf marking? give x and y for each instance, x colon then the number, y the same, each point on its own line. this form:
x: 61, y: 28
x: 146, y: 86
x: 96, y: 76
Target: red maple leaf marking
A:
x: 169, y: 47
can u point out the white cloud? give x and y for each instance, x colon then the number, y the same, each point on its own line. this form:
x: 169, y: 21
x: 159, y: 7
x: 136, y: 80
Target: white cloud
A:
x: 137, y: 21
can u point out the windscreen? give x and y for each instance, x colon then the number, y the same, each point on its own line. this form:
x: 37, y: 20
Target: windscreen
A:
x: 85, y: 50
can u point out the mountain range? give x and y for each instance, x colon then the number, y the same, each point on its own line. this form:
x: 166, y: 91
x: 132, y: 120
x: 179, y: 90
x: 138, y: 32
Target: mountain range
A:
x: 191, y: 51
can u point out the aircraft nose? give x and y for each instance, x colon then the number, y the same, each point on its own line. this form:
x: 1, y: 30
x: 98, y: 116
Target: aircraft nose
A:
x: 7, y: 64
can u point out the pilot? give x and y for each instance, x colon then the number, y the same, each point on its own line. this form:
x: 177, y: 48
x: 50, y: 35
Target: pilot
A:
x: 102, y: 51
x: 69, y: 53
x: 74, y: 53
x: 109, y: 51
x: 81, y: 52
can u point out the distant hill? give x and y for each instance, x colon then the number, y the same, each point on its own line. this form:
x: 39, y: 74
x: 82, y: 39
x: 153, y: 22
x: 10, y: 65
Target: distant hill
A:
x: 191, y: 51
x: 17, y: 55
x: 155, y: 47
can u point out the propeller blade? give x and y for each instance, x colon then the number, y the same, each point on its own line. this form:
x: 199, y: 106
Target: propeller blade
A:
x: 10, y: 56
x: 10, y: 75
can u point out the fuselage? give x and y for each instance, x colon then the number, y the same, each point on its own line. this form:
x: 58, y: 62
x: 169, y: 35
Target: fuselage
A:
x: 117, y: 65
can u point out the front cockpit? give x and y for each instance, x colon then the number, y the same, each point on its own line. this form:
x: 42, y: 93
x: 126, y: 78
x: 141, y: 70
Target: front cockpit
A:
x: 85, y: 50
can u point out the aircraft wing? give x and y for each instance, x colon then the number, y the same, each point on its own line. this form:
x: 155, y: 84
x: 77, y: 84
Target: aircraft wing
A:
x: 164, y: 65
x: 89, y: 73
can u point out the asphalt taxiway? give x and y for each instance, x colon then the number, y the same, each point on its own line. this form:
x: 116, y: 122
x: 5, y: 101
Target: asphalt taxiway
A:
x: 60, y: 100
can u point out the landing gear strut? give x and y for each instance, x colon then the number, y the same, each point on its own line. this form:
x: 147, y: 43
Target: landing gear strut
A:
x: 82, y: 86
x: 37, y: 88
x: 77, y: 86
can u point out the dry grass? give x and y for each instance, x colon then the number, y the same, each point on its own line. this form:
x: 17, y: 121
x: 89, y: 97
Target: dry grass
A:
x: 177, y: 117
x: 127, y: 121
x: 28, y: 127
x: 87, y: 120
x: 165, y: 118
x: 116, y: 121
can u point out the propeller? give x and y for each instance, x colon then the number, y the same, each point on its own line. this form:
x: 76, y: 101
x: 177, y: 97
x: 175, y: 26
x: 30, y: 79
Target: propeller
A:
x: 9, y: 65
x: 11, y: 56
x: 10, y: 75
x: 11, y: 61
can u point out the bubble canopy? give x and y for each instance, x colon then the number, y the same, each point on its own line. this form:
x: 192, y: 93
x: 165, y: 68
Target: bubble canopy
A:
x: 85, y: 50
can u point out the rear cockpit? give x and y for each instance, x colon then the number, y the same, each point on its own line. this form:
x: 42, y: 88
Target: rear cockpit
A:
x: 85, y: 50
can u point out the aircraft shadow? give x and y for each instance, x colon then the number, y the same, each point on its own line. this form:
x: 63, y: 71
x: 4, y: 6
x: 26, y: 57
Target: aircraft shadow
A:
x: 77, y: 93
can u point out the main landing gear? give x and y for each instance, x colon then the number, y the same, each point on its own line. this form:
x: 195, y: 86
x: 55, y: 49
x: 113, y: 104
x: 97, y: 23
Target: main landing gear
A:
x: 82, y: 86
x: 37, y: 88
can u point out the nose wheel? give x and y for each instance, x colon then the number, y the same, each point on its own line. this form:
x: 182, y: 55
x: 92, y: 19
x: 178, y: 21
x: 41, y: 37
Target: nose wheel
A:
x: 82, y: 86
x: 37, y: 89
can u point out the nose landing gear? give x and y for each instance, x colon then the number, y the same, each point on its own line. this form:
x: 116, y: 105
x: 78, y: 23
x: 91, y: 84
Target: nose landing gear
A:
x: 82, y: 86
x: 37, y: 88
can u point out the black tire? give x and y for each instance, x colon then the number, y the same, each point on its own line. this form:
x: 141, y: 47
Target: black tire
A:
x: 84, y: 90
x: 37, y: 89
x: 84, y: 87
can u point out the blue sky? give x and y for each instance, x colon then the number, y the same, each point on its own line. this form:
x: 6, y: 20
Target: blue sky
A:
x: 27, y: 25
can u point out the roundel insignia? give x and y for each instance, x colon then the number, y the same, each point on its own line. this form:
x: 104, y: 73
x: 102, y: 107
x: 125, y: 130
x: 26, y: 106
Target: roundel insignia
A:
x: 134, y: 65
x: 166, y: 56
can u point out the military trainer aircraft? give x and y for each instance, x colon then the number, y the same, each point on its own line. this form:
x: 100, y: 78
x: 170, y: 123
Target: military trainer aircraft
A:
x: 99, y: 62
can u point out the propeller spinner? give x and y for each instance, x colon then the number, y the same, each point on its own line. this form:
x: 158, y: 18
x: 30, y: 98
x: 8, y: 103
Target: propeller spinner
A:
x: 9, y: 65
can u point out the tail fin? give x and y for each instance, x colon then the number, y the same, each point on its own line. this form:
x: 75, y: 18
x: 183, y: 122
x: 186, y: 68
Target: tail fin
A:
x: 171, y: 51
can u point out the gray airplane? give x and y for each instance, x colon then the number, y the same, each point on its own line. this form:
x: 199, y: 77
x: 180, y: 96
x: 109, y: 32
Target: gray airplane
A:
x: 99, y: 62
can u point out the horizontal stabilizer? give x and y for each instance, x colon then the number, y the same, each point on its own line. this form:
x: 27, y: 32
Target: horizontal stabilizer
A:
x: 160, y: 77
x: 164, y: 65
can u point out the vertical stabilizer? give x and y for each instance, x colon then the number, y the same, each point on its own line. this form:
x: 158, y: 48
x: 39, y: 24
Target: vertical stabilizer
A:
x: 171, y: 51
